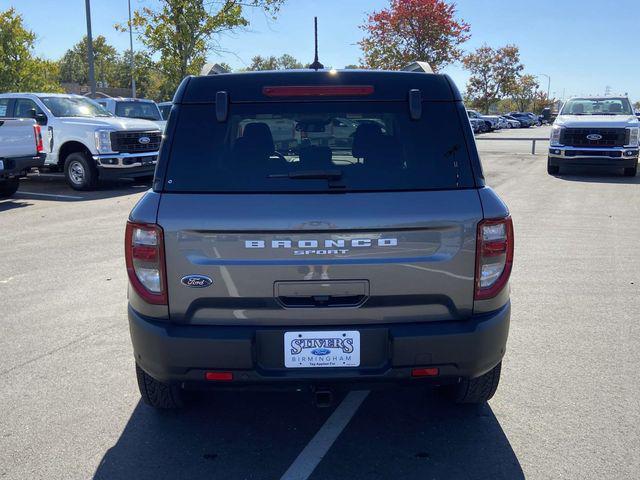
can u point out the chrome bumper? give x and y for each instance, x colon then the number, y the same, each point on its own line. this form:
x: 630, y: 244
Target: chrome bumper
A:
x: 126, y: 160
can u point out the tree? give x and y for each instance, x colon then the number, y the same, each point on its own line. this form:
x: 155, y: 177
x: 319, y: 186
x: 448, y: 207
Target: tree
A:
x: 524, y: 91
x: 411, y: 30
x: 19, y: 69
x: 148, y: 78
x: 284, y: 62
x: 494, y: 74
x: 184, y: 31
x: 74, y: 66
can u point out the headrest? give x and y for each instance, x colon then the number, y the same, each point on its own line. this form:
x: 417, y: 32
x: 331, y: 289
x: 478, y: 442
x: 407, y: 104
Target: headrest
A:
x: 257, y: 136
x: 365, y: 136
x: 316, y: 157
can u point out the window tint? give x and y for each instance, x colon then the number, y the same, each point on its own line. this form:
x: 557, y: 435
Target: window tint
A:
x: 4, y: 107
x: 23, y: 107
x: 284, y: 147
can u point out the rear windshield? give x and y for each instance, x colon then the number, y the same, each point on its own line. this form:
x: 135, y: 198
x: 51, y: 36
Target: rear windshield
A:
x: 311, y: 147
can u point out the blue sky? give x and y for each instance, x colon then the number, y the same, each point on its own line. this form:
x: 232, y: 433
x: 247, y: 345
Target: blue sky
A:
x: 584, y: 45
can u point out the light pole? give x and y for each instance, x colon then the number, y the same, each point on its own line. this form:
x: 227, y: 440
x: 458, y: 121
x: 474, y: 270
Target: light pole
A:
x: 548, y: 82
x: 133, y: 80
x: 92, y: 77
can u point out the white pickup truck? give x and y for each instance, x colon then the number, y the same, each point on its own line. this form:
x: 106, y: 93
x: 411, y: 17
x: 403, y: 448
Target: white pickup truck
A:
x: 21, y: 149
x: 84, y: 140
x: 595, y: 132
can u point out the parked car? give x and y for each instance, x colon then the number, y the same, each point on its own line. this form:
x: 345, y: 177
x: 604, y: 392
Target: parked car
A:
x: 165, y: 109
x: 21, y: 150
x: 134, y: 108
x: 511, y: 122
x: 85, y: 141
x: 595, y: 131
x: 478, y: 125
x: 525, y: 120
x: 386, y: 261
x: 490, y: 122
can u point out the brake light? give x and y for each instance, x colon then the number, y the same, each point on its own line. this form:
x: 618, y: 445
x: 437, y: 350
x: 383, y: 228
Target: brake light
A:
x: 144, y: 255
x: 218, y: 376
x: 318, y: 91
x: 38, y: 135
x: 494, y: 256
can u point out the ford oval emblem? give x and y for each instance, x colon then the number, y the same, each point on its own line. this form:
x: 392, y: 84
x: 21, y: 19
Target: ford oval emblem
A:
x: 196, y: 281
x: 144, y: 140
x: 594, y: 137
x: 320, y: 351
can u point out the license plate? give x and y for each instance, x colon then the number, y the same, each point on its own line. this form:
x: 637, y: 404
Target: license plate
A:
x: 322, y: 349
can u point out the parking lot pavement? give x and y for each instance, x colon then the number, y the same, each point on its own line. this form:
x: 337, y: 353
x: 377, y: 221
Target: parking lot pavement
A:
x: 568, y: 405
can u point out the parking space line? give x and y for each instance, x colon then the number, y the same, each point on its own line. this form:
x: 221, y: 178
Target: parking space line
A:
x: 304, y: 465
x: 71, y: 197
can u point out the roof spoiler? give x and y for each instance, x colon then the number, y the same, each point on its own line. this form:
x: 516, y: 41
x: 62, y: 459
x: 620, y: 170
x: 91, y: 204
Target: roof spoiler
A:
x: 422, y: 67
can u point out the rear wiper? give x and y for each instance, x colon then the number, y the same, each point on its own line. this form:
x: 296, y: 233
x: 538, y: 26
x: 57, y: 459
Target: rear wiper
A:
x: 310, y: 175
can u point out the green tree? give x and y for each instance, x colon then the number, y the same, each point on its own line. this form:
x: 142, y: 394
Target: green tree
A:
x: 494, y: 74
x: 411, y: 30
x: 284, y: 62
x: 19, y: 69
x: 184, y: 31
x: 524, y: 92
x: 148, y: 78
x: 74, y: 65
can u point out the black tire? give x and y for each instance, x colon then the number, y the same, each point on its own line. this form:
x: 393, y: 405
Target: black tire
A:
x: 8, y: 187
x: 552, y: 169
x: 631, y: 171
x: 158, y: 394
x: 477, y: 390
x: 80, y: 171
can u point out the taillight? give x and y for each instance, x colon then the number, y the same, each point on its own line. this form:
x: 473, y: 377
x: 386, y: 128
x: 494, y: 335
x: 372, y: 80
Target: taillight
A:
x: 38, y: 134
x: 144, y: 254
x: 494, y: 256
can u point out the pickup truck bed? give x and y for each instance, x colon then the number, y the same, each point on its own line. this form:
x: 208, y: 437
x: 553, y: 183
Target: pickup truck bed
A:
x: 20, y: 139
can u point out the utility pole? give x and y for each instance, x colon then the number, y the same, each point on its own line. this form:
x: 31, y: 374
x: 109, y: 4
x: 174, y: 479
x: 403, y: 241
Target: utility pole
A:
x: 133, y: 79
x: 548, y: 82
x: 92, y: 77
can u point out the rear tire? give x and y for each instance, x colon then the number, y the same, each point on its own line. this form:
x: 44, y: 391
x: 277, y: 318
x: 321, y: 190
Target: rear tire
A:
x: 80, y: 171
x: 552, y: 169
x: 631, y: 171
x: 162, y: 396
x: 8, y: 187
x: 478, y: 390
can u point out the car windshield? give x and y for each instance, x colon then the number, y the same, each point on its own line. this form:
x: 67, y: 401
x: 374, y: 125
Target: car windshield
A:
x: 597, y: 106
x: 144, y: 110
x: 74, y: 107
x: 306, y: 147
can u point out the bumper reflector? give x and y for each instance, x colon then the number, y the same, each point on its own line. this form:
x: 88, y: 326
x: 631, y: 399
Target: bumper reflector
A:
x: 219, y: 376
x: 425, y: 372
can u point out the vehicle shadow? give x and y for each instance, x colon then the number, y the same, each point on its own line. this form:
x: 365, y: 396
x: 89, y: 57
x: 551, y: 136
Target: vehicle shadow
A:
x: 591, y: 175
x: 52, y: 187
x: 10, y: 204
x: 247, y: 435
x: 418, y: 435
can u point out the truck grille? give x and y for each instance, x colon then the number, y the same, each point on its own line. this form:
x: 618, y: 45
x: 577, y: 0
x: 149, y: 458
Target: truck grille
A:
x: 129, y: 142
x: 610, y: 137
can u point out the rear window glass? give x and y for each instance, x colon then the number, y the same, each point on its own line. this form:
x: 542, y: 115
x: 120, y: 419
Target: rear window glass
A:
x: 145, y: 110
x: 311, y: 147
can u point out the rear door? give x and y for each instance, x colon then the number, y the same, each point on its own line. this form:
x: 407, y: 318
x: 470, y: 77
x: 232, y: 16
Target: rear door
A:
x: 381, y: 229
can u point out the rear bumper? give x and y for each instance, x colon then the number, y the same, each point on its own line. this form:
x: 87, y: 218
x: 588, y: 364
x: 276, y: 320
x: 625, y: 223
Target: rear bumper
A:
x: 593, y: 157
x: 13, y: 167
x: 255, y: 355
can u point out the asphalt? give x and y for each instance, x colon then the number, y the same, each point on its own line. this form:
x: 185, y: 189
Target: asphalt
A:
x: 568, y: 405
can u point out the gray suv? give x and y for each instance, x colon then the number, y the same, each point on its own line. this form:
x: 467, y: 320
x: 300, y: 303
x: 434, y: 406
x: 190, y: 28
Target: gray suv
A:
x: 378, y: 257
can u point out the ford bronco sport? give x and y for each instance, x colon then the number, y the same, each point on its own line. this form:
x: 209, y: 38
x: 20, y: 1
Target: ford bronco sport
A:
x: 374, y: 258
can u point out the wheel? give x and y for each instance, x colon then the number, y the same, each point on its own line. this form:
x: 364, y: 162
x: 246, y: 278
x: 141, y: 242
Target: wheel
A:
x: 8, y: 187
x: 157, y: 394
x: 508, y: 125
x: 631, y: 171
x: 80, y: 172
x: 477, y: 390
x: 552, y: 169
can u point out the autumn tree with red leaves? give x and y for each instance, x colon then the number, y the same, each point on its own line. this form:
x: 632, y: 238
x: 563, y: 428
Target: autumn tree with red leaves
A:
x: 413, y: 30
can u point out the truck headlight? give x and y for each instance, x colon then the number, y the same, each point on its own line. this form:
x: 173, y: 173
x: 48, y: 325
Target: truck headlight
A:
x: 556, y: 132
x: 634, y: 136
x: 103, y: 141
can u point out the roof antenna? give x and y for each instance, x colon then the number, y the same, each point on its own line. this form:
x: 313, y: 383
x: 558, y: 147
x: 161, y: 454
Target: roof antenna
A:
x: 316, y: 65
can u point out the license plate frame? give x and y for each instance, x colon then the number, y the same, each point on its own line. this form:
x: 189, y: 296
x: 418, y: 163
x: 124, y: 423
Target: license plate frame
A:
x: 322, y: 349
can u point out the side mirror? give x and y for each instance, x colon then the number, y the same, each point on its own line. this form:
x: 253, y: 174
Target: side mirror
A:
x: 41, y: 118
